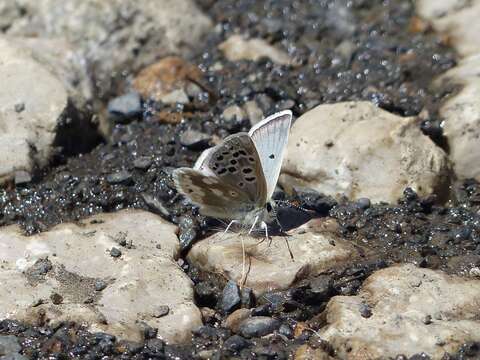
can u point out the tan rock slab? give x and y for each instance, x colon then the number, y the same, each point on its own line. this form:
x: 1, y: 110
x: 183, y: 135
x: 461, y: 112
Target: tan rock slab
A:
x: 358, y: 150
x: 139, y: 281
x: 269, y: 267
x: 412, y: 310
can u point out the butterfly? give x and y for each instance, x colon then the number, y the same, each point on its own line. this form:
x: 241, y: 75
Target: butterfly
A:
x: 235, y: 180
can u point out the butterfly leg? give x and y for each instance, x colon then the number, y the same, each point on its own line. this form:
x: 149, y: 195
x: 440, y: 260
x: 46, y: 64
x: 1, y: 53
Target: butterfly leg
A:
x: 230, y: 224
x: 264, y: 226
x: 253, y: 225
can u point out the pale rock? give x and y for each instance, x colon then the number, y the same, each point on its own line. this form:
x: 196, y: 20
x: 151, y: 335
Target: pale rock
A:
x: 269, y: 266
x: 458, y: 18
x: 115, y: 35
x: 254, y: 113
x: 238, y: 47
x: 39, y: 107
x: 27, y: 137
x: 360, y: 151
x: 401, y: 298
x: 233, y: 113
x: 461, y: 118
x: 144, y: 277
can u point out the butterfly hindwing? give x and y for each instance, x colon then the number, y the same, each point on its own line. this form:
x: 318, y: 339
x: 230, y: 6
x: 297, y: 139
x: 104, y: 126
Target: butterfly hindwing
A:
x: 214, y: 197
x: 270, y: 137
x: 236, y: 162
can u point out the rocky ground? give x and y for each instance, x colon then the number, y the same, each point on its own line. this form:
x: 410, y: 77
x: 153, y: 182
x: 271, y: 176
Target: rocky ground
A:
x: 101, y: 258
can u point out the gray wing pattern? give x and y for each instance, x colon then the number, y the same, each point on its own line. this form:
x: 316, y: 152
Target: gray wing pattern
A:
x: 271, y: 137
x: 214, y: 197
x: 236, y: 163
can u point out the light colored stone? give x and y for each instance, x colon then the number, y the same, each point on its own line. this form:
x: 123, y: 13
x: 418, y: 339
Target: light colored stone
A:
x: 234, y: 112
x: 116, y: 35
x: 270, y: 267
x: 254, y: 113
x: 167, y: 80
x: 26, y: 137
x: 39, y: 107
x: 143, y: 278
x: 400, y: 299
x: 358, y: 150
x: 458, y: 18
x: 461, y: 115
x: 238, y: 47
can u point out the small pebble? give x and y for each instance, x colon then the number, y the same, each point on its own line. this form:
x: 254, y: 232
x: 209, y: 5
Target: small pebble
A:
x: 114, y: 252
x: 365, y: 311
x: 120, y: 177
x: 125, y: 107
x: 100, y: 285
x: 236, y: 343
x: 56, y: 298
x: 142, y: 162
x: 19, y: 107
x: 230, y: 297
x: 363, y: 203
x: 195, y: 140
x: 22, y: 177
x: 257, y: 326
x: 427, y: 320
x: 161, y: 311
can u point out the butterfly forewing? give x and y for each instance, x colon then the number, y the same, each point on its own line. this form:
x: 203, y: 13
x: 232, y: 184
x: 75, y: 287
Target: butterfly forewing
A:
x: 236, y: 163
x: 214, y: 197
x: 271, y: 137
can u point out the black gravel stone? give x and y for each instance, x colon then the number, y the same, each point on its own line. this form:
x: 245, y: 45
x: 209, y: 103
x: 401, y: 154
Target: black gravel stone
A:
x: 142, y: 162
x: 365, y: 311
x: 263, y: 310
x: 100, y: 285
x: 115, y: 252
x: 286, y: 330
x: 248, y: 298
x: 257, y: 326
x: 236, y: 343
x: 230, y: 297
x: 19, y: 107
x: 363, y: 203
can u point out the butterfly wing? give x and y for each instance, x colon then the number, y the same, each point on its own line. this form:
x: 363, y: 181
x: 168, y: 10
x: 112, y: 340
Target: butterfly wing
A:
x: 214, y: 197
x: 271, y: 137
x: 236, y: 163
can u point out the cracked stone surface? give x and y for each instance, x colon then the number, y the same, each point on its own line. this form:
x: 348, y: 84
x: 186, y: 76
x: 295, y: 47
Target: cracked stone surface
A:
x: 59, y: 275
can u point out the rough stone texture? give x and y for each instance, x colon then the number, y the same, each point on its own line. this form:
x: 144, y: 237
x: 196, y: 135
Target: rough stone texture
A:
x: 167, y: 80
x: 270, y: 267
x: 39, y: 108
x: 358, y: 150
x: 458, y: 18
x: 145, y: 277
x: 461, y: 115
x: 114, y: 35
x: 26, y: 137
x: 237, y: 47
x: 401, y: 298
